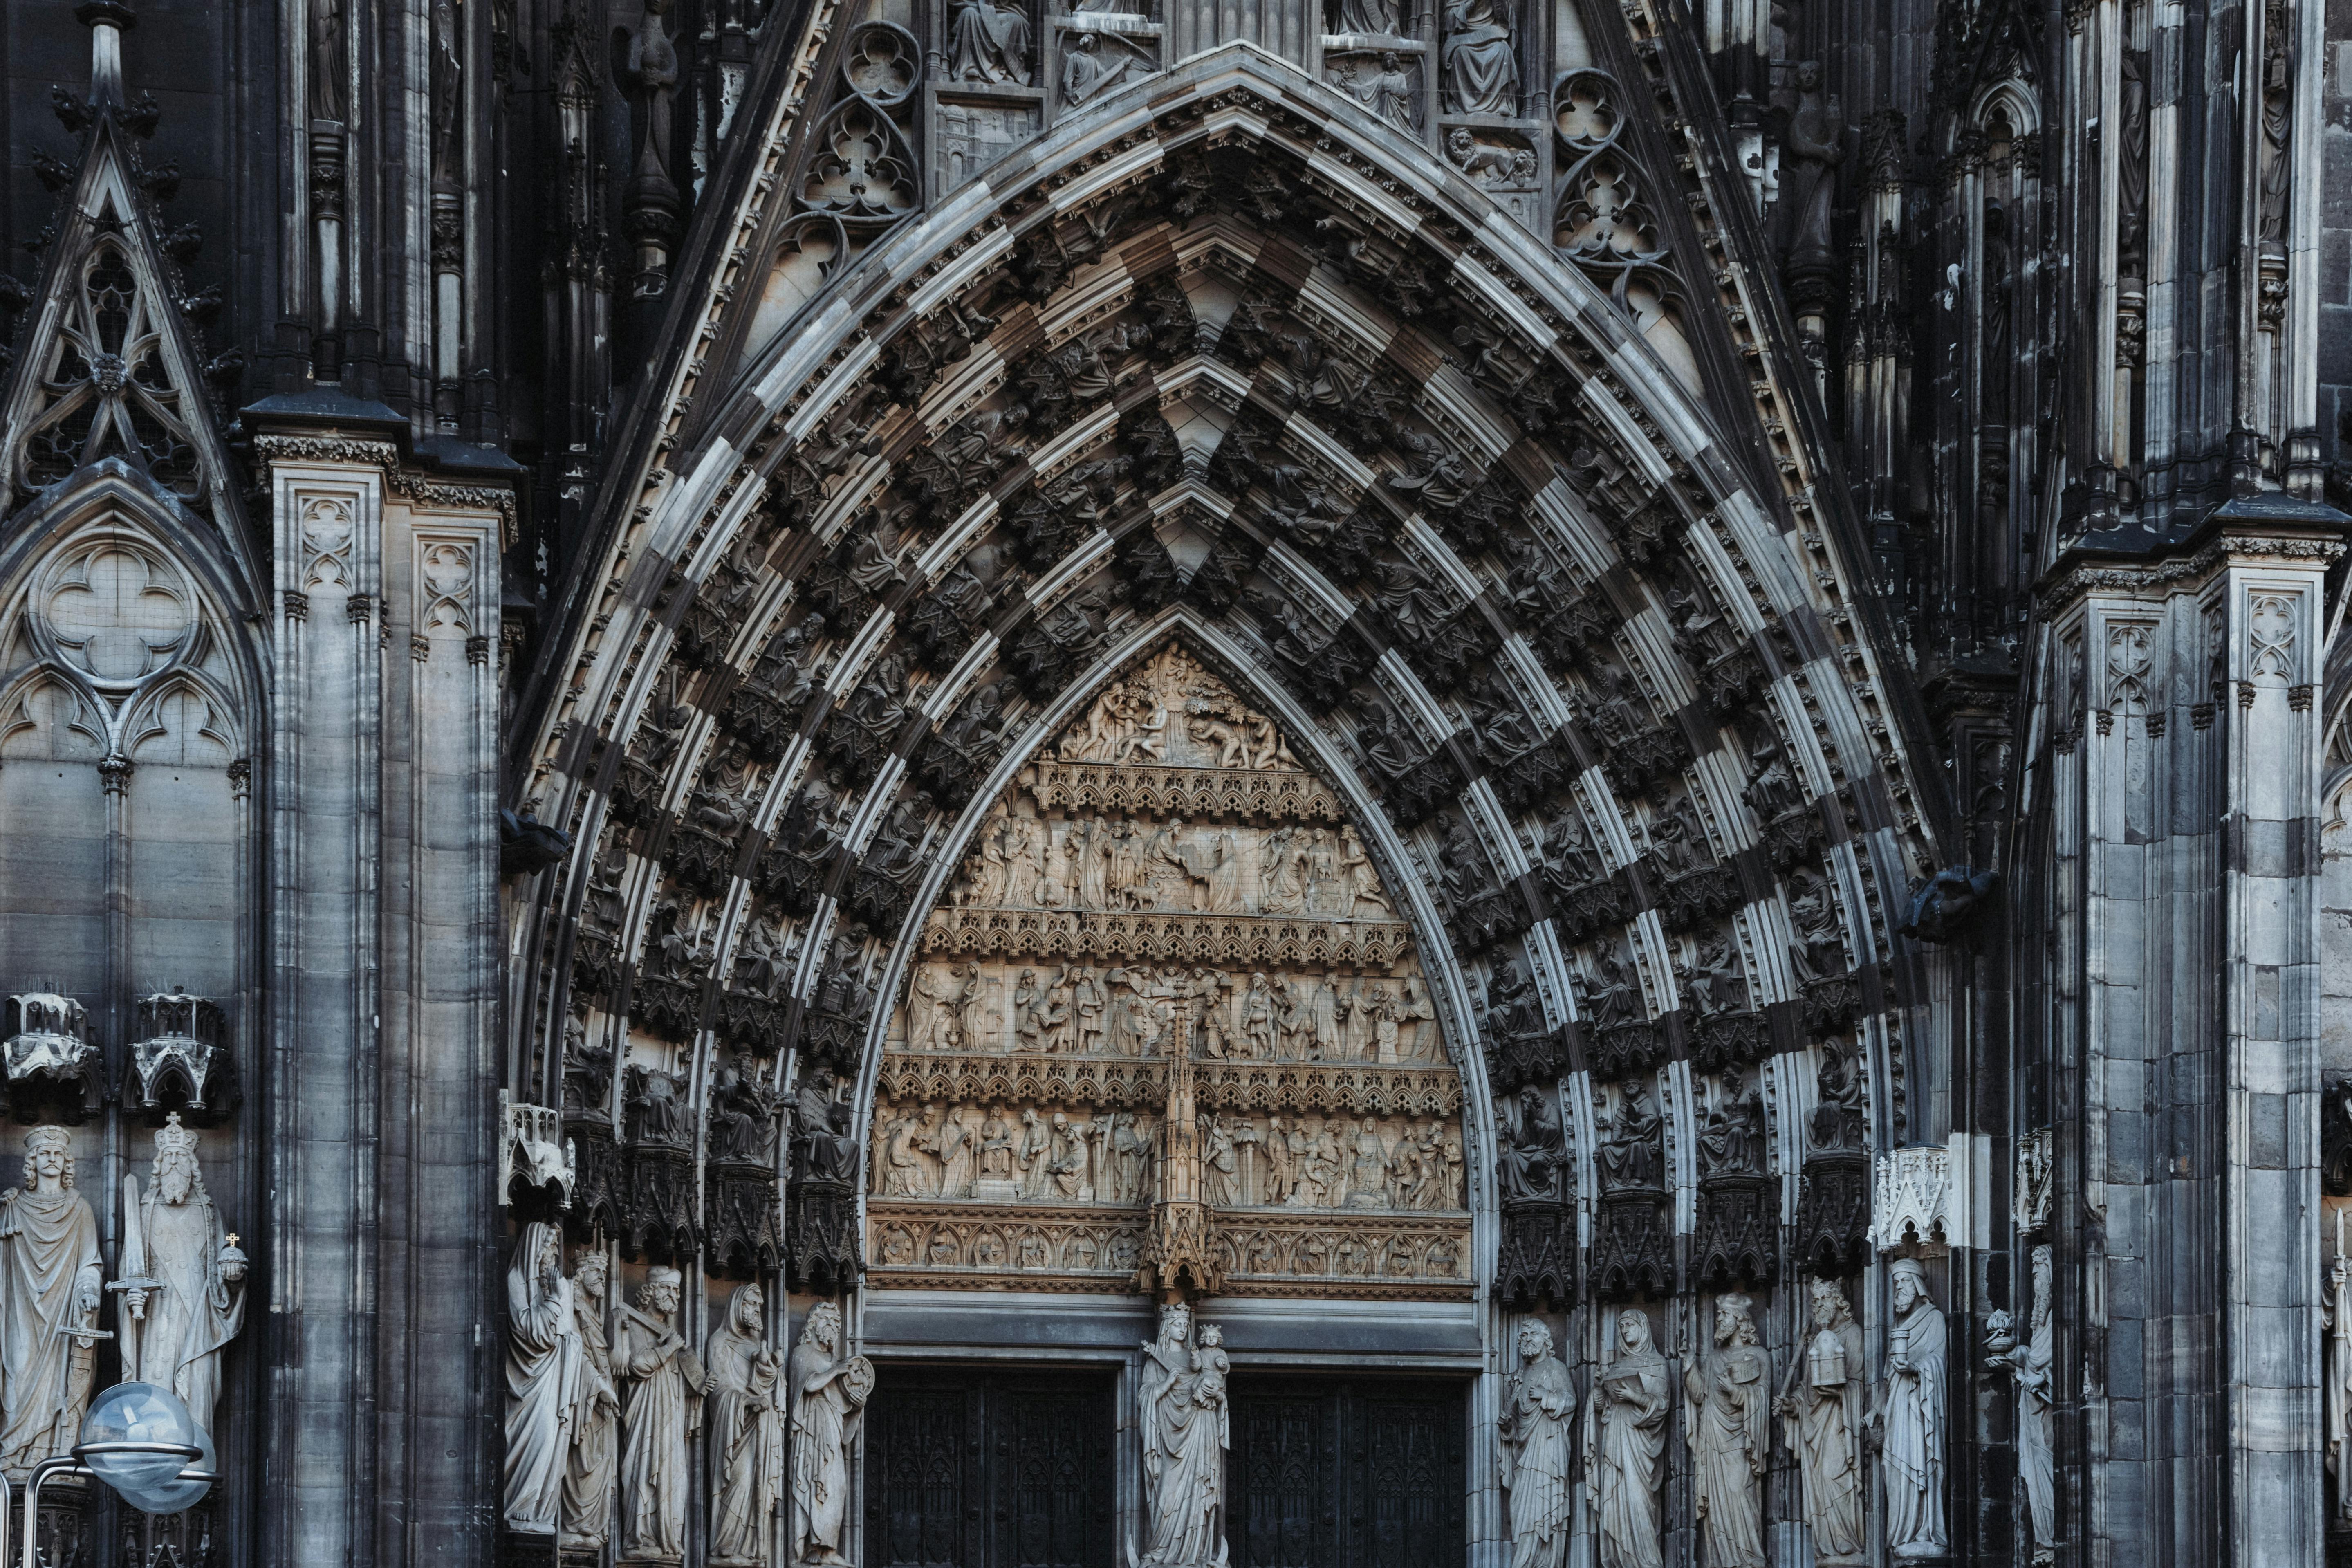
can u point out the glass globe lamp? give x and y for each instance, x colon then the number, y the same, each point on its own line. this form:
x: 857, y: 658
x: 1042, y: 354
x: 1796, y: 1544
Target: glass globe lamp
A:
x: 137, y: 1414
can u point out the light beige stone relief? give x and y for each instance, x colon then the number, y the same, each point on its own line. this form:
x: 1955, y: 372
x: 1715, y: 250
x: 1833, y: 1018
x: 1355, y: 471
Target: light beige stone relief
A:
x: 1167, y: 870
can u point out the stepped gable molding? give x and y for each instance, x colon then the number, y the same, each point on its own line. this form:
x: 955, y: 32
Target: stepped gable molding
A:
x: 110, y: 368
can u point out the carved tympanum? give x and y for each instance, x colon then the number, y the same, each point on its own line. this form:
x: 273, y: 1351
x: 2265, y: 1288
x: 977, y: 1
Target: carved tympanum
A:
x: 1165, y: 879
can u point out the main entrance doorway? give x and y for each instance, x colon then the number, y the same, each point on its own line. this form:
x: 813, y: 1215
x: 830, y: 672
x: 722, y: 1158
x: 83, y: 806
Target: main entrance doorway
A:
x: 1354, y: 1473
x: 967, y: 1467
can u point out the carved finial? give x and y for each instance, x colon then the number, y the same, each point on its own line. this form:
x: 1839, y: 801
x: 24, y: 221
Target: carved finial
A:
x: 107, y: 20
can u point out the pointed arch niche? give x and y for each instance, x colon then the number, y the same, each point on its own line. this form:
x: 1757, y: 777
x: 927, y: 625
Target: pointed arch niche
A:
x: 1168, y: 904
x: 127, y: 707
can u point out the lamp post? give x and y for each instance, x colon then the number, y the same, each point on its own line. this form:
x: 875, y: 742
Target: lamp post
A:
x: 139, y: 1439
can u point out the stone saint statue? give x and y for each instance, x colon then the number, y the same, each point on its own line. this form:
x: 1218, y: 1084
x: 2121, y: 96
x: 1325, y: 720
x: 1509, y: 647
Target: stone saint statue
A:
x: 2030, y: 1364
x: 588, y: 1473
x: 1729, y: 1429
x: 829, y: 1390
x: 542, y: 1372
x: 1537, y: 1432
x: 1911, y: 1418
x: 2339, y: 1382
x: 747, y: 1431
x: 175, y: 1328
x: 1624, y: 1444
x: 1186, y: 1431
x: 664, y: 1407
x: 1822, y: 1404
x: 51, y: 1276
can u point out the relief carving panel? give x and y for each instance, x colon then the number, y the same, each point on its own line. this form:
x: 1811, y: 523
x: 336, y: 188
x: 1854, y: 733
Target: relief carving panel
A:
x: 1167, y: 887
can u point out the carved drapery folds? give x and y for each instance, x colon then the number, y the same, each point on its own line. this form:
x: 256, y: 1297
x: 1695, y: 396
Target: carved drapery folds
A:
x: 1633, y: 1231
x: 656, y: 1202
x: 1735, y: 1242
x: 1834, y: 1207
x: 821, y: 1251
x: 740, y: 1236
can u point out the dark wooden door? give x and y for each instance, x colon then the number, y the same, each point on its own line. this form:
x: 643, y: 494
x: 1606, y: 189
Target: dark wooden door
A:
x: 973, y: 1469
x: 1346, y: 1473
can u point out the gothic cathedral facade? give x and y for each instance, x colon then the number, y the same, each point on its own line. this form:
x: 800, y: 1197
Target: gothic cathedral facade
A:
x: 1181, y: 783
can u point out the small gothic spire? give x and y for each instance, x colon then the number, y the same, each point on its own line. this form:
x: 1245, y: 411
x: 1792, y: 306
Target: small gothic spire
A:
x: 107, y: 20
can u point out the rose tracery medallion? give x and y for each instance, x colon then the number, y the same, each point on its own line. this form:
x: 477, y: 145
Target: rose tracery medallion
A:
x: 1166, y: 876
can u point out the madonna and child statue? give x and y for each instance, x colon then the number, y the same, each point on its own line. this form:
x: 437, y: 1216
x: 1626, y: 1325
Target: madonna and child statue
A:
x: 1186, y: 1431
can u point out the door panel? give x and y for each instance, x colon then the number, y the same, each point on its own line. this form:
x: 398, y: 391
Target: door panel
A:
x: 968, y: 1468
x: 1355, y: 1473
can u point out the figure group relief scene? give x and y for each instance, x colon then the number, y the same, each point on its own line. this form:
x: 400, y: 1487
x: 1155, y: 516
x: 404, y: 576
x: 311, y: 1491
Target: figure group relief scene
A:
x: 1166, y: 882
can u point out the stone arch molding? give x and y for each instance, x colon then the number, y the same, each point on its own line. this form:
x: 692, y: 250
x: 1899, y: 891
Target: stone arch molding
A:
x: 1229, y: 345
x: 102, y: 597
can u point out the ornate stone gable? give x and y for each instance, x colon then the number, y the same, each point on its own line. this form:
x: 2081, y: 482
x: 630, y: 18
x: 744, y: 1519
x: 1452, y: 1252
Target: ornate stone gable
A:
x: 1168, y: 871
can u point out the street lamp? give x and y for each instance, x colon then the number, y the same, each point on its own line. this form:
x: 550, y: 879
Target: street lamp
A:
x: 141, y: 1440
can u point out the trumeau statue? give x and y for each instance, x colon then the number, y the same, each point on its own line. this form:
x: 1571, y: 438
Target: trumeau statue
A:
x: 1729, y: 1429
x: 174, y: 1329
x: 1186, y: 1431
x: 1625, y: 1445
x: 1821, y: 1403
x: 543, y: 1375
x: 50, y: 1275
x: 828, y: 1392
x: 664, y: 1408
x: 1912, y: 1417
x: 588, y: 1468
x: 746, y: 1423
x: 1537, y: 1432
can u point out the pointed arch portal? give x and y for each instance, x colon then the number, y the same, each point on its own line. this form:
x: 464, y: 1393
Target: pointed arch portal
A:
x: 1223, y: 375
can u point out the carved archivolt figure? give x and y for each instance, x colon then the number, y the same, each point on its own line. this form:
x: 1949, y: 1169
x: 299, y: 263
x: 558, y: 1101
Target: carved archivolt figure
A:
x: 664, y: 1407
x: 175, y: 1328
x: 1822, y: 1404
x: 51, y: 1276
x: 828, y: 1390
x: 1186, y: 1431
x: 1912, y: 1417
x: 543, y: 1368
x: 1538, y: 1433
x: 588, y: 1470
x: 1730, y: 1433
x: 1626, y: 1444
x: 747, y: 1431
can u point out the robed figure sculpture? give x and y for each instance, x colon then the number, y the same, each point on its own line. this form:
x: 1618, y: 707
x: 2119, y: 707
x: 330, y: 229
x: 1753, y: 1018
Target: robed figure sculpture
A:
x: 51, y: 1276
x: 183, y: 1278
